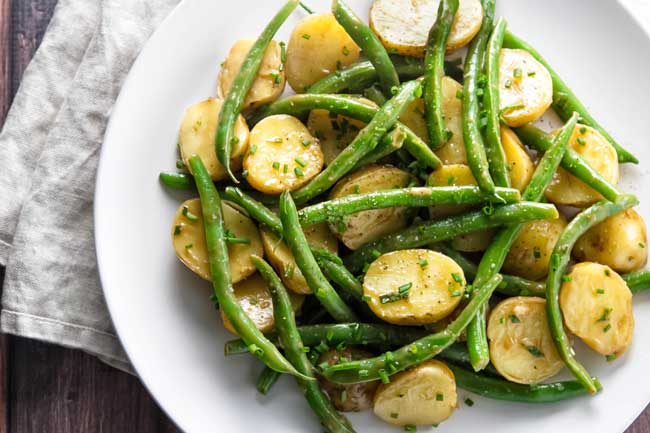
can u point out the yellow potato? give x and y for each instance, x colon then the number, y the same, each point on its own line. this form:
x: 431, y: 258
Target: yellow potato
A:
x: 403, y: 25
x: 413, y: 287
x: 188, y: 238
x: 279, y: 254
x: 619, y: 242
x: 317, y: 47
x: 525, y: 87
x: 362, y: 227
x: 530, y: 254
x: 521, y: 345
x: 473, y: 242
x: 424, y: 395
x: 520, y: 166
x: 254, y: 297
x: 282, y: 155
x: 567, y: 190
x: 453, y: 152
x: 597, y: 307
x: 270, y: 81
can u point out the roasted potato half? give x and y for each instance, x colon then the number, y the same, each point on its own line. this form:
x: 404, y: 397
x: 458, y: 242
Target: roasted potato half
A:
x: 424, y: 395
x: 188, y: 238
x: 520, y: 166
x: 362, y: 227
x: 413, y: 287
x: 270, y: 81
x: 452, y: 152
x: 597, y: 307
x: 521, y: 344
x: 317, y: 47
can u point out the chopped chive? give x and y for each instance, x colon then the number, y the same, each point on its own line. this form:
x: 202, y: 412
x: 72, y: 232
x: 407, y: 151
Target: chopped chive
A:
x: 514, y: 319
x: 300, y: 162
x: 508, y: 83
x: 410, y: 428
x: 306, y: 142
x: 276, y: 165
x: 177, y: 230
x: 383, y: 376
x: 605, y: 316
x: 607, y: 273
x: 298, y: 171
x: 534, y: 350
x: 424, y: 263
x: 469, y: 402
x: 581, y: 141
x: 566, y: 278
x: 610, y: 358
x: 583, y: 129
x: 532, y: 73
x: 440, y: 397
x: 189, y: 215
x: 306, y: 36
x: 283, y: 52
x: 253, y: 149
x: 345, y: 50
x: 537, y: 253
x: 180, y: 164
x: 450, y: 180
x: 344, y: 396
x: 394, y: 415
x: 366, y: 298
x: 188, y: 246
x: 641, y: 245
x: 600, y: 291
x: 607, y: 328
x: 459, y: 94
x: 285, y: 169
x: 456, y: 276
x: 244, y: 173
x: 517, y: 73
x: 275, y: 140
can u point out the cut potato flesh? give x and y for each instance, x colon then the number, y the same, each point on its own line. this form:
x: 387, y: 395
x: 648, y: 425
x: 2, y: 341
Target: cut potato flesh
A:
x: 413, y: 287
x: 254, y: 296
x: 270, y: 81
x: 521, y: 344
x: 530, y: 254
x: 362, y: 227
x: 282, y: 155
x: 279, y: 254
x: 566, y: 189
x: 188, y: 237
x: 317, y: 47
x: 423, y: 395
x: 403, y: 25
x: 525, y: 87
x: 197, y: 134
x: 452, y: 152
x: 619, y: 242
x: 520, y: 166
x: 597, y: 307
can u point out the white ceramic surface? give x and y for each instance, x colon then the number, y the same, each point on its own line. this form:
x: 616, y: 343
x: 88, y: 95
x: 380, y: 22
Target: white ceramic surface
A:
x: 161, y: 311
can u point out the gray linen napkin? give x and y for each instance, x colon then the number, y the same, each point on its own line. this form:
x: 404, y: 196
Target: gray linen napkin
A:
x: 49, y: 149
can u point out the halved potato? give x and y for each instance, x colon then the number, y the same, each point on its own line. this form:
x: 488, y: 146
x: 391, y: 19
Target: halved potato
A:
x: 452, y: 152
x: 254, y: 296
x: 520, y: 166
x: 403, y: 25
x: 188, y: 238
x: 197, y: 133
x: 597, y: 307
x: 525, y: 87
x: 521, y: 344
x: 413, y: 287
x: 362, y: 227
x: 566, y: 189
x: 279, y: 254
x: 619, y: 242
x: 318, y: 46
x: 282, y: 155
x: 270, y: 81
x: 531, y: 252
x: 424, y: 395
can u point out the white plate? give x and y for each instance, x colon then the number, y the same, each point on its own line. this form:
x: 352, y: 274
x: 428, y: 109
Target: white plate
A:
x: 168, y: 327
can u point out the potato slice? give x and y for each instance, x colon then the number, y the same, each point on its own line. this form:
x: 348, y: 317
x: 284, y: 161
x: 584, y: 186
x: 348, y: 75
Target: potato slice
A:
x: 452, y: 152
x: 525, y: 87
x: 254, y: 296
x: 403, y: 25
x: 318, y: 46
x: 567, y: 190
x: 413, y: 287
x: 188, y: 237
x: 424, y: 395
x: 362, y: 227
x: 597, y: 307
x: 197, y: 133
x: 520, y: 166
x: 282, y: 155
x: 473, y: 242
x: 530, y: 254
x: 521, y: 344
x: 270, y: 81
x: 619, y: 242
x: 279, y: 254
x: 354, y: 397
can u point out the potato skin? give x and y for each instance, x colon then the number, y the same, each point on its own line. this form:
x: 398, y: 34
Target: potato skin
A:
x: 619, y: 242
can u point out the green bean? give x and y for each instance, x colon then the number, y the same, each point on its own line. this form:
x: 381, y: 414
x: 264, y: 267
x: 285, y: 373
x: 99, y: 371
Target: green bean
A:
x: 306, y: 8
x: 424, y: 233
x: 572, y: 161
x: 476, y: 156
x: 234, y: 100
x: 266, y: 380
x: 638, y: 281
x: 289, y: 337
x: 565, y: 102
x: 375, y: 95
x: 368, y: 42
x: 414, y: 353
x: 457, y: 354
x: 499, y: 389
x: 493, y: 147
x: 220, y: 270
x: 335, y: 271
x: 365, y: 141
x: 497, y: 251
x: 391, y: 142
x: 297, y: 243
x: 176, y: 180
x: 255, y: 209
x: 558, y: 265
x: 434, y: 62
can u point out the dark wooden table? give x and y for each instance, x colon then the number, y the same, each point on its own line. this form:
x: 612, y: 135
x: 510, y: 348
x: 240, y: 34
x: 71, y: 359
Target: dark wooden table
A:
x: 45, y: 388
